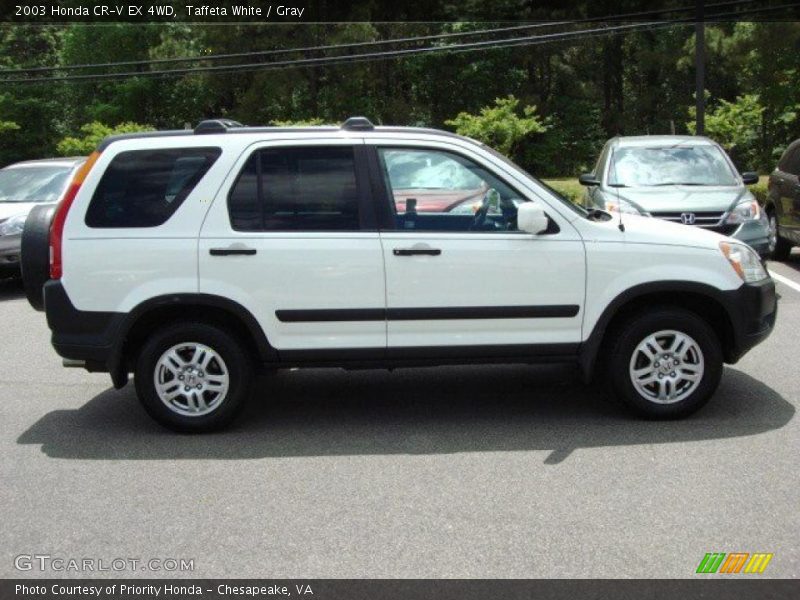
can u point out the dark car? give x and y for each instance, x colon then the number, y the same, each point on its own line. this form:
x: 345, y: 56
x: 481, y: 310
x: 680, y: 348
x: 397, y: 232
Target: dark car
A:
x: 24, y: 185
x: 783, y: 203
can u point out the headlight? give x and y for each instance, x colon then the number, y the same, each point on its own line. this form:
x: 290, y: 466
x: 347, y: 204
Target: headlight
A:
x: 744, y: 211
x: 615, y: 205
x: 13, y: 224
x: 744, y: 261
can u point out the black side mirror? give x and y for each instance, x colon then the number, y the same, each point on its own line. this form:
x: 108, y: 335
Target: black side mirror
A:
x: 749, y: 177
x: 588, y: 179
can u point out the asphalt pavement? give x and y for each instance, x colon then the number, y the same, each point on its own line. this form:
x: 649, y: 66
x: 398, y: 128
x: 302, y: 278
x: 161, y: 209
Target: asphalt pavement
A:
x: 488, y: 471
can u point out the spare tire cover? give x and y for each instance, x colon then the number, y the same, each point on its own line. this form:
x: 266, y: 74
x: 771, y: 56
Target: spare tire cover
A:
x: 35, y: 253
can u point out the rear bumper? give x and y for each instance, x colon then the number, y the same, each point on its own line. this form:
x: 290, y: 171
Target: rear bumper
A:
x: 79, y: 335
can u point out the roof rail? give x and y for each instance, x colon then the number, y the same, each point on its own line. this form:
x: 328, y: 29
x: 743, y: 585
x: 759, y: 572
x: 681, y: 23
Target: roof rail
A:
x: 358, y: 124
x: 216, y: 126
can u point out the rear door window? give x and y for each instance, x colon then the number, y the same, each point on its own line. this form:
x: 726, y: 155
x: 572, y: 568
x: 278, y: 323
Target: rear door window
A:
x: 144, y: 188
x: 309, y: 188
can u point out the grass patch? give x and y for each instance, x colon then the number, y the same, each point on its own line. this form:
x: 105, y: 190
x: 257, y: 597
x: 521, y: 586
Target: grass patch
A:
x: 568, y: 187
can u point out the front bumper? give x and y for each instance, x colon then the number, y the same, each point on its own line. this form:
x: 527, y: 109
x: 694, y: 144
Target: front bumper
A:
x: 752, y: 308
x: 10, y: 250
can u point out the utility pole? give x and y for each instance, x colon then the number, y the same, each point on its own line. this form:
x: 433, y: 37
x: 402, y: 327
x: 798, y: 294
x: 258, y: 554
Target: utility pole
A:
x: 700, y: 68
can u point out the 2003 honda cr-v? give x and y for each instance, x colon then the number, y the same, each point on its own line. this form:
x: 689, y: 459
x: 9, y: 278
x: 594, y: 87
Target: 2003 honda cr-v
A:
x: 192, y: 258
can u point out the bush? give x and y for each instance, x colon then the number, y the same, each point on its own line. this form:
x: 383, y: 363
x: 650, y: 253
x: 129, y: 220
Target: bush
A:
x: 93, y: 134
x: 310, y: 122
x: 8, y: 126
x: 500, y: 126
x: 736, y: 126
x: 760, y: 189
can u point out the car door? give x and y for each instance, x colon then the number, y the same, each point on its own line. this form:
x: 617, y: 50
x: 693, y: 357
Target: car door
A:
x: 789, y: 190
x: 460, y: 278
x: 291, y: 237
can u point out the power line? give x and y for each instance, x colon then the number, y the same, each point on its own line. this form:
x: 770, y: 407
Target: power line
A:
x: 333, y: 60
x: 276, y: 52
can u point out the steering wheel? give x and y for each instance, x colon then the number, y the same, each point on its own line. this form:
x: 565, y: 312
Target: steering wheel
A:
x: 490, y: 198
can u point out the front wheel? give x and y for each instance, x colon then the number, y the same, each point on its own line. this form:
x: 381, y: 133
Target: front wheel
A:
x: 665, y: 363
x: 193, y: 377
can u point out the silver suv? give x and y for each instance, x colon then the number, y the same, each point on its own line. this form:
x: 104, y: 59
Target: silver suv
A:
x: 683, y: 179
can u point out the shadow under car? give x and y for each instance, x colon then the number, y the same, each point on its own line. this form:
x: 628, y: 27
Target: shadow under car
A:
x: 413, y: 411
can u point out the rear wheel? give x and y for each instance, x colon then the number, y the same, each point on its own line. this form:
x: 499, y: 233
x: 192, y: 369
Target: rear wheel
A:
x: 664, y: 363
x: 193, y: 377
x: 779, y: 248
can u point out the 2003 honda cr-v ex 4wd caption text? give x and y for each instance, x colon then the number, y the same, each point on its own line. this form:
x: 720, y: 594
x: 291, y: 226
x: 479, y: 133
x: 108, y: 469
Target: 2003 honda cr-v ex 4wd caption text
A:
x: 194, y: 258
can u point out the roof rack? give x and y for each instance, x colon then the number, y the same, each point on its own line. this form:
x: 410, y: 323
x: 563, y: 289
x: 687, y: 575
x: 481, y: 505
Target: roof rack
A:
x: 358, y: 124
x: 216, y: 126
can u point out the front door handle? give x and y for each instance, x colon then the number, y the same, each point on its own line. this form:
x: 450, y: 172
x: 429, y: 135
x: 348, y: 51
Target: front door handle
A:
x: 232, y: 251
x: 416, y: 251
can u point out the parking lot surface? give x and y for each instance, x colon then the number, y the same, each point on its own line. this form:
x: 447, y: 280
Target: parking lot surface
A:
x: 479, y: 471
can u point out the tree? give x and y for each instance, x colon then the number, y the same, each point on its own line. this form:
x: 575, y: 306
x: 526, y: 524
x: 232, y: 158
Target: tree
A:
x: 734, y: 125
x: 500, y: 126
x: 93, y: 134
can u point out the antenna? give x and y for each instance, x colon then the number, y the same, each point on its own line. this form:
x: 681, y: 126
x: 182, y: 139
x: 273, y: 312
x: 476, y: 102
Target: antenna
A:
x: 616, y: 185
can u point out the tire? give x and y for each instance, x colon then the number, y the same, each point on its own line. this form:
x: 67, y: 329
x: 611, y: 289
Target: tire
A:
x: 217, y: 377
x: 35, y: 253
x: 779, y: 247
x: 699, y: 356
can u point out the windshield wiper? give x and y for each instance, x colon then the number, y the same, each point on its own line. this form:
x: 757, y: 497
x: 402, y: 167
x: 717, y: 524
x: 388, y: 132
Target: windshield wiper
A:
x: 617, y: 185
x: 679, y: 183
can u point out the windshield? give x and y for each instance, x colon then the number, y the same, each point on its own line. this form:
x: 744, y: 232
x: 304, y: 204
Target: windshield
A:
x: 671, y: 165
x: 33, y: 184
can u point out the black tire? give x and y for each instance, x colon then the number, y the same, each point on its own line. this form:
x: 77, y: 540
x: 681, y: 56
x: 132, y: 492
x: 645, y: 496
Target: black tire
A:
x: 782, y: 247
x: 35, y: 253
x: 628, y: 335
x: 237, y: 361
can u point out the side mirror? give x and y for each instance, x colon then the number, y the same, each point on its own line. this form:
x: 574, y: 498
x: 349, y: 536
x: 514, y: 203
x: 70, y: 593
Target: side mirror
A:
x: 749, y: 177
x: 531, y: 218
x: 588, y: 179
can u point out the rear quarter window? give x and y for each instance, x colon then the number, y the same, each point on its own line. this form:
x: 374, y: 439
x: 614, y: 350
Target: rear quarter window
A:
x: 144, y: 188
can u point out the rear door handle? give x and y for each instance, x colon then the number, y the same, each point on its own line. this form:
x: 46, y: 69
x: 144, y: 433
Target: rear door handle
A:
x: 416, y: 251
x: 232, y: 251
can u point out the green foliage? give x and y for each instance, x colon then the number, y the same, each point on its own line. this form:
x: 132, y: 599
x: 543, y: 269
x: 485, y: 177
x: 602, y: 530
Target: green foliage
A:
x: 500, y: 126
x: 8, y: 126
x: 584, y: 90
x: 735, y: 125
x: 310, y: 122
x: 569, y: 188
x: 570, y: 146
x: 761, y: 189
x: 92, y: 134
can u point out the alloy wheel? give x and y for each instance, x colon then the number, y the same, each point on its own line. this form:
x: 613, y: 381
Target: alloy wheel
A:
x: 191, y: 379
x: 666, y: 366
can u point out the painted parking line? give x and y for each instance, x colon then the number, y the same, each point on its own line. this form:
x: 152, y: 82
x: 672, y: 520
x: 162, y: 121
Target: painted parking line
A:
x: 785, y: 281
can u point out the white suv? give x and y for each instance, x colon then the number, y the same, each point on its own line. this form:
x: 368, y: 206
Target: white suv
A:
x: 193, y: 258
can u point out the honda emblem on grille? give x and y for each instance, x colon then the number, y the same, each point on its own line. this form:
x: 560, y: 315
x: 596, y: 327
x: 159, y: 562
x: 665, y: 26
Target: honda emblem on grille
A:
x: 688, y: 218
